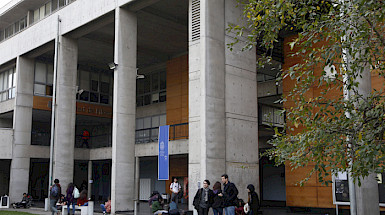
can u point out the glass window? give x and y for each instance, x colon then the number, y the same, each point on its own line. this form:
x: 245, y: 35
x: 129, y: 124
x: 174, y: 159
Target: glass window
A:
x: 10, y: 78
x: 14, y: 78
x: 50, y: 74
x: 94, y: 81
x: 85, y: 80
x: 139, y: 123
x: 39, y: 89
x: 1, y: 82
x: 147, y: 100
x: 162, y: 120
x: 47, y: 8
x: 1, y: 35
x: 54, y: 5
x: 36, y: 15
x: 155, y: 121
x: 61, y: 3
x: 163, y: 80
x: 147, y: 84
x: 23, y: 23
x: 40, y: 72
x: 17, y: 27
x: 155, y: 81
x: 147, y: 122
x: 42, y: 12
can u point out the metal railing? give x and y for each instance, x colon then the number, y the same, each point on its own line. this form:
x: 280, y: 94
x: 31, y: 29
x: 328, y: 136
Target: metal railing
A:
x: 271, y: 116
x: 147, y: 135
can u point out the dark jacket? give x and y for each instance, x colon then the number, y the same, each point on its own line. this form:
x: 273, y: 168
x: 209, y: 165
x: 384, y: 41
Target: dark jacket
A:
x: 230, y: 192
x: 218, y: 201
x: 58, y: 195
x: 254, y: 199
x: 198, y: 196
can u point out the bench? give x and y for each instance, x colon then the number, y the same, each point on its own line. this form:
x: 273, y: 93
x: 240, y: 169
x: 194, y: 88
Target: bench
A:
x: 83, y: 209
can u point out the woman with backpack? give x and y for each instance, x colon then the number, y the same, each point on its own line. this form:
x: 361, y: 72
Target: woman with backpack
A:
x: 72, y: 194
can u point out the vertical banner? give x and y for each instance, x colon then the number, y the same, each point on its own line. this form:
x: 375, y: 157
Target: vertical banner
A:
x: 163, y: 159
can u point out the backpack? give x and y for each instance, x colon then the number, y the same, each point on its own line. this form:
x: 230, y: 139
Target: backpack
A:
x: 76, y: 193
x: 55, y: 191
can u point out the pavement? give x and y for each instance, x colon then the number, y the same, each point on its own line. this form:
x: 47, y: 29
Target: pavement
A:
x: 143, y: 209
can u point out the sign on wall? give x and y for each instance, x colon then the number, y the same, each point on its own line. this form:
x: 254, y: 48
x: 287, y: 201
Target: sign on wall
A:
x: 163, y: 158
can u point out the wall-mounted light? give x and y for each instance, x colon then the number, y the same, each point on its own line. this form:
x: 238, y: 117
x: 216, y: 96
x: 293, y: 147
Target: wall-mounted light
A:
x: 112, y: 65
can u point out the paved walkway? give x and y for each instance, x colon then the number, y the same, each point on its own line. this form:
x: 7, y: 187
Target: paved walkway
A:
x: 143, y: 209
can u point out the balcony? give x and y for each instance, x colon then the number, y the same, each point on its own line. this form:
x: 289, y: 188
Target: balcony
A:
x: 176, y: 132
x: 271, y: 116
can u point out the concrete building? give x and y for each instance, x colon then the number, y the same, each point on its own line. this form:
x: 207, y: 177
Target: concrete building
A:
x: 192, y: 82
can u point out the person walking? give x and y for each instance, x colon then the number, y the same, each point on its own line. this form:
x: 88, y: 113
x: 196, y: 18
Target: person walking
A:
x: 175, y: 189
x: 253, y: 200
x: 54, y: 195
x: 71, y: 200
x: 218, y: 200
x: 203, y: 199
x: 230, y: 193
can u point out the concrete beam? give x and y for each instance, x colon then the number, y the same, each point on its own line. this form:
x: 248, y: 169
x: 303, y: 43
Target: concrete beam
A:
x: 139, y: 5
x: 92, y: 26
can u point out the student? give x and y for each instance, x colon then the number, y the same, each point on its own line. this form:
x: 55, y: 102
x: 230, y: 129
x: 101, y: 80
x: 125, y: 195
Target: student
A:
x: 106, y: 207
x: 218, y: 200
x: 230, y: 193
x: 253, y: 200
x: 203, y: 199
x: 71, y: 200
x: 175, y: 189
x: 55, y: 192
x: 82, y: 200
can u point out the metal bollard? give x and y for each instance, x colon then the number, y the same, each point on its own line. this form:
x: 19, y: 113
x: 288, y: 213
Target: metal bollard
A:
x: 135, y: 206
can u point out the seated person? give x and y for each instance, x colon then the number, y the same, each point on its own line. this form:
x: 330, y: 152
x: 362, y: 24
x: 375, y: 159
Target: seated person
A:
x: 173, y: 207
x: 62, y: 201
x: 82, y: 200
x: 23, y: 203
x: 155, y: 202
x: 106, y: 208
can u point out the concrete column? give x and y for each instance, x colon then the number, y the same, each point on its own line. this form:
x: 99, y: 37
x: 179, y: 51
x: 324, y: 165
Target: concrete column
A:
x: 124, y: 107
x: 242, y: 159
x: 64, y: 142
x: 89, y: 191
x: 223, y: 132
x: 137, y: 172
x: 22, y: 125
x: 367, y: 197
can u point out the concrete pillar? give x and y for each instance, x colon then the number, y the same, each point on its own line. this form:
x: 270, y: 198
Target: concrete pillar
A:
x: 89, y: 191
x: 124, y: 107
x: 367, y: 197
x: 22, y: 125
x: 223, y: 129
x: 242, y: 158
x: 223, y: 124
x: 64, y: 142
x: 137, y: 172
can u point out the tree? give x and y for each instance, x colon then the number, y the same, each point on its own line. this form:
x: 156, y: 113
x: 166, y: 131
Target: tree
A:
x: 340, y: 129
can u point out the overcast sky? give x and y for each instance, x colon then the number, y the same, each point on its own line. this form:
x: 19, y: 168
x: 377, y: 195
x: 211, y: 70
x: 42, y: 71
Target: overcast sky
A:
x: 3, y: 2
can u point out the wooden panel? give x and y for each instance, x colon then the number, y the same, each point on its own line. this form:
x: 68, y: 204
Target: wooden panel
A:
x: 177, y: 90
x: 325, y: 197
x: 301, y: 196
x: 293, y: 177
x: 82, y: 108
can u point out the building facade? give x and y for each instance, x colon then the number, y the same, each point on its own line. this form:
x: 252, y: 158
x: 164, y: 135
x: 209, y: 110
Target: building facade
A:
x: 95, y: 50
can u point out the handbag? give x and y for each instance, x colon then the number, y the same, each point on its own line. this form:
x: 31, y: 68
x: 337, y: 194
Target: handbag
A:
x: 246, y: 208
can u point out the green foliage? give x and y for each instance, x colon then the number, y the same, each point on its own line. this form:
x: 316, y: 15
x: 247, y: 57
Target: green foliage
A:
x: 323, y: 126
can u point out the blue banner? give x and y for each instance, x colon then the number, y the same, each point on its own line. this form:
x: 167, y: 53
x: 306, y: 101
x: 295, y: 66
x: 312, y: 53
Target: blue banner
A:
x: 163, y: 158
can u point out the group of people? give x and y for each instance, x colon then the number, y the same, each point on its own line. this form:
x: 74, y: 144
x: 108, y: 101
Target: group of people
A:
x: 71, y: 197
x: 226, y: 199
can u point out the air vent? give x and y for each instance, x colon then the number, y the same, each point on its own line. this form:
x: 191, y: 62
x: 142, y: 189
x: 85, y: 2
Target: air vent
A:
x: 196, y: 20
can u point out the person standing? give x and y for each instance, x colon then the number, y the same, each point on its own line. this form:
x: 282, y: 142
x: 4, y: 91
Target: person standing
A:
x: 230, y: 193
x: 218, y: 200
x: 203, y: 199
x: 175, y: 189
x: 54, y: 195
x: 253, y: 200
x: 70, y: 198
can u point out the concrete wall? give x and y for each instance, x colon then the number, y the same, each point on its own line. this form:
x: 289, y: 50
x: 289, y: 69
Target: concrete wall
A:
x: 7, y: 106
x: 6, y: 141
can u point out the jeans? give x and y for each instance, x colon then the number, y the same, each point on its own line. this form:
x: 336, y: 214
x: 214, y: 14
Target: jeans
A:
x: 73, y: 207
x: 230, y: 210
x: 176, y: 198
x: 52, y: 205
x: 203, y: 211
x: 218, y: 211
x: 103, y: 207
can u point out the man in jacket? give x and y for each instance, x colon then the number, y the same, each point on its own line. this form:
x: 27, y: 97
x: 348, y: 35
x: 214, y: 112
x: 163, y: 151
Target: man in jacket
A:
x: 230, y: 193
x: 203, y: 199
